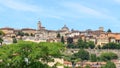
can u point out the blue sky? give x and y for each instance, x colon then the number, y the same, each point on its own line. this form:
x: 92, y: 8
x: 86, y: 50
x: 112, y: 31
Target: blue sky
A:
x: 76, y: 14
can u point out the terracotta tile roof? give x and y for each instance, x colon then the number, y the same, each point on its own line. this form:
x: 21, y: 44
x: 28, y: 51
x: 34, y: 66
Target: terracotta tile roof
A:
x: 75, y: 31
x: 66, y: 62
x: 28, y: 29
x: 115, y: 35
x: 7, y: 28
x: 51, y: 31
x: 61, y: 31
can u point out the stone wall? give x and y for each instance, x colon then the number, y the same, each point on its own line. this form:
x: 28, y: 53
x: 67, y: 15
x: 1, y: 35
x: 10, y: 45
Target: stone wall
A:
x: 93, y: 51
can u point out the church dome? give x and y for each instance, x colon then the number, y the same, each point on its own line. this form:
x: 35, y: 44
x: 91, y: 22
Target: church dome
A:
x: 65, y: 28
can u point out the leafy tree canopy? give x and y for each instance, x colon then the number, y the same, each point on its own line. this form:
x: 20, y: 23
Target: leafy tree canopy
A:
x: 111, y: 45
x: 109, y: 30
x: 91, y: 44
x: 69, y: 40
x: 109, y: 65
x: 82, y: 54
x: 93, y: 58
x: 23, y: 54
x: 1, y: 32
x: 58, y: 35
x: 62, y: 39
x: 108, y: 56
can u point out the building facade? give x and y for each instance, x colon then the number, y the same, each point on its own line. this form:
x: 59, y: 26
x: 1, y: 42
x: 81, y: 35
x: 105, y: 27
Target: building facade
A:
x: 41, y: 34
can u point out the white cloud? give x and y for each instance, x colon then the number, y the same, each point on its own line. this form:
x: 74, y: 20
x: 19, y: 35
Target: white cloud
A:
x: 73, y: 10
x: 117, y: 1
x: 76, y: 7
x: 19, y: 6
x: 79, y: 9
x: 37, y: 9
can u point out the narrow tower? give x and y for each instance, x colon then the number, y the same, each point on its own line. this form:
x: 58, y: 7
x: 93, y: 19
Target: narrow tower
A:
x: 39, y: 25
x: 101, y: 28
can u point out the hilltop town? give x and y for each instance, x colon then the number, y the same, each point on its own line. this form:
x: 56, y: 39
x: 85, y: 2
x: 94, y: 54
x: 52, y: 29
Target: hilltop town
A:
x: 59, y: 34
x: 97, y: 45
x: 99, y: 37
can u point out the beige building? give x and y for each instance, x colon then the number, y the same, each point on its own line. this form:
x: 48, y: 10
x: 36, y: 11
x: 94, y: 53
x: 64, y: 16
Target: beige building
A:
x: 28, y: 30
x: 108, y: 37
x: 8, y: 31
x: 103, y: 39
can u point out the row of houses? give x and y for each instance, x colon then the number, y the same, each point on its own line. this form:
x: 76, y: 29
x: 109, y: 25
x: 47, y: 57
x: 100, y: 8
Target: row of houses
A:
x: 99, y: 37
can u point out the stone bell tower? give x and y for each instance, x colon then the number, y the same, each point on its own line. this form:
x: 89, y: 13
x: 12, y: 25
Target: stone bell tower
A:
x: 39, y: 25
x: 101, y: 28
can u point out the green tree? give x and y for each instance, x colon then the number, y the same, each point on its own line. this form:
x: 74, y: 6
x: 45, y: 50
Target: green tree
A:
x: 99, y: 47
x: 93, y: 58
x: 46, y: 56
x: 81, y: 44
x: 110, y: 65
x: 108, y: 56
x: 91, y: 44
x: 69, y: 40
x: 62, y: 39
x: 109, y: 30
x: 66, y: 67
x: 50, y: 51
x: 20, y: 33
x: 73, y: 59
x: 110, y: 45
x: 26, y: 34
x: 82, y: 54
x: 27, y: 54
x: 70, y: 46
x: 58, y: 35
x: 38, y: 65
x: 31, y: 34
x: 118, y: 46
x: 2, y: 33
x: 87, y: 66
x: 70, y: 43
x: 1, y: 40
x: 14, y: 40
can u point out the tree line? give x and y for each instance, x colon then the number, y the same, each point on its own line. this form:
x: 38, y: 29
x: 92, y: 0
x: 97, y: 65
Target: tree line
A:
x: 83, y: 55
x: 29, y: 54
x: 90, y: 44
x: 80, y: 44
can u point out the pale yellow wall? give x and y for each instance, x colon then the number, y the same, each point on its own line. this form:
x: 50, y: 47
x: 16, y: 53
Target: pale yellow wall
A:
x: 8, y: 31
x: 29, y: 31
